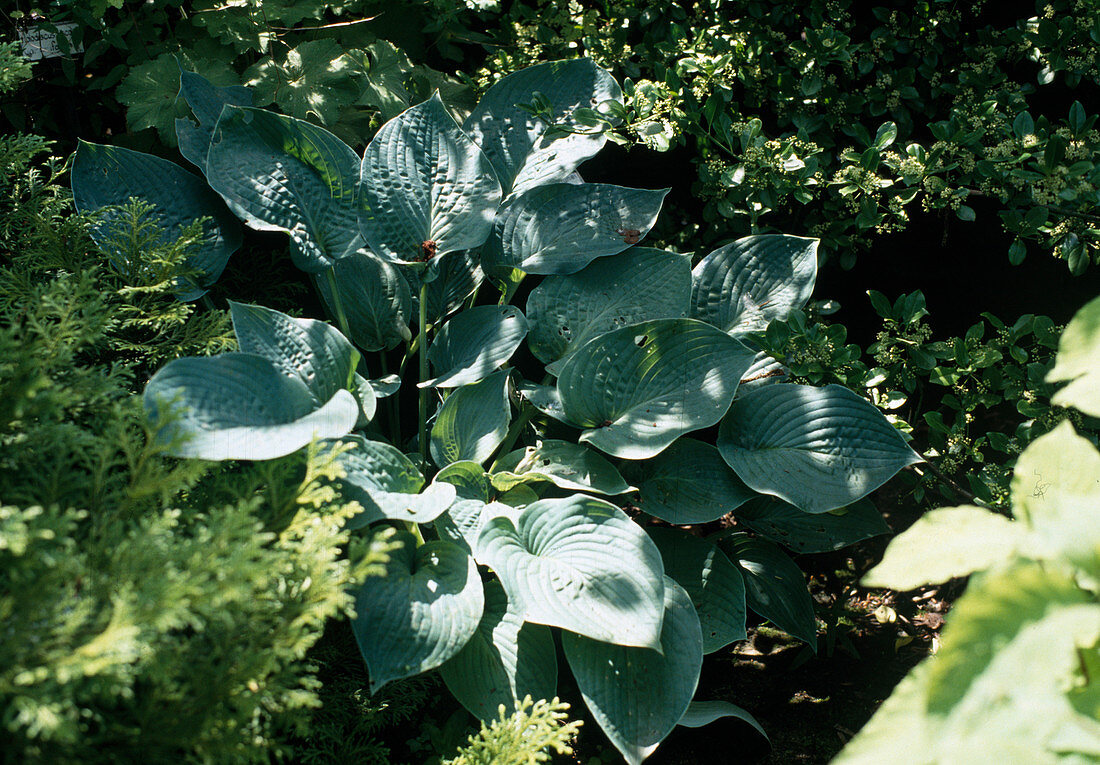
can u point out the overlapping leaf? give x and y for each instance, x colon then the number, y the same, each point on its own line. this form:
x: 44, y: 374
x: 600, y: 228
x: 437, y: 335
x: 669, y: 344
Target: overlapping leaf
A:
x: 579, y: 563
x: 104, y: 176
x: 565, y: 464
x: 744, y: 285
x: 817, y: 448
x: 461, y: 522
x: 474, y: 343
x: 424, y: 181
x: 282, y: 174
x: 805, y: 532
x: 206, y: 101
x: 638, y: 695
x: 562, y: 227
x: 639, y: 388
x: 420, y: 613
x: 472, y: 421
x: 376, y: 299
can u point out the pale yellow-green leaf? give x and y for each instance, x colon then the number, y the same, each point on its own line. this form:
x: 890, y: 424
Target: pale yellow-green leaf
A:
x: 1078, y: 360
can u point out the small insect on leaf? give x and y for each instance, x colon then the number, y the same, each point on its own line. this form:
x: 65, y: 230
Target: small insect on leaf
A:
x: 630, y: 235
x: 427, y: 251
x: 605, y: 423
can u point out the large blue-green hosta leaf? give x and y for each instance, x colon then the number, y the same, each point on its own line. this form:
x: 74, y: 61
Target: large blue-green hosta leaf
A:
x: 457, y: 275
x: 420, y: 613
x: 474, y: 344
x: 744, y: 285
x: 425, y: 187
x: 581, y: 564
x: 817, y: 448
x: 805, y: 532
x: 282, y: 174
x: 505, y: 660
x: 104, y: 176
x: 241, y: 406
x: 376, y: 299
x: 206, y: 101
x: 563, y: 463
x: 639, y: 388
x: 638, y: 695
x: 513, y: 139
x: 461, y: 523
x: 472, y: 421
x: 640, y: 284
x: 561, y: 228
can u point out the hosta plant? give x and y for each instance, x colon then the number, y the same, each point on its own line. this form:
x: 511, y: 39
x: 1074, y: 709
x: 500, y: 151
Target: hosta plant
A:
x: 556, y: 426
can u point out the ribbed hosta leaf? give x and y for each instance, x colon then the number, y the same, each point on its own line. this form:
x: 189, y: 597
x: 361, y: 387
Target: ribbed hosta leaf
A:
x: 775, y: 587
x: 700, y: 713
x: 505, y: 660
x: 817, y: 448
x: 546, y: 399
x: 240, y: 406
x: 461, y: 522
x: 804, y: 532
x: 425, y: 187
x: 561, y: 228
x: 640, y: 387
x: 715, y: 585
x: 642, y: 283
x: 565, y: 464
x: 580, y: 564
x: 457, y: 275
x: 206, y: 101
x: 746, y: 284
x: 387, y: 484
x: 474, y: 343
x: 637, y: 695
x: 512, y: 138
x: 376, y: 299
x: 472, y: 421
x: 764, y: 371
x: 282, y: 174
x: 420, y: 613
x: 104, y: 176
x: 688, y: 483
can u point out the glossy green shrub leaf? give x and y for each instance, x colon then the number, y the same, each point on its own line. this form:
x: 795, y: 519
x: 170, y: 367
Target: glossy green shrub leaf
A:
x: 716, y: 586
x: 506, y: 659
x: 1078, y: 362
x: 746, y: 284
x: 375, y: 297
x: 206, y: 101
x: 104, y: 176
x: 562, y: 227
x: 474, y: 343
x: 639, y: 388
x: 387, y: 484
x: 701, y: 713
x: 420, y: 613
x: 423, y: 180
x: 640, y: 284
x: 282, y: 174
x: 472, y: 421
x: 817, y: 448
x: 241, y: 406
x: 512, y: 138
x: 580, y: 564
x: 637, y: 695
x: 804, y: 532
x: 688, y: 483
x: 565, y: 464
x: 774, y: 586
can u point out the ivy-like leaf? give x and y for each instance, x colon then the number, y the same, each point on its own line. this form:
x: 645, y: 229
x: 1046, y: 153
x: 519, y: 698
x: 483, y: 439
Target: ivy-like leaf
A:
x: 315, y: 79
x: 472, y: 421
x: 475, y: 343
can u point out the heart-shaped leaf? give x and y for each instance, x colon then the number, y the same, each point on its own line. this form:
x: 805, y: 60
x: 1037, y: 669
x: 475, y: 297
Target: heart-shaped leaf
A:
x: 637, y: 695
x: 104, y: 176
x: 505, y: 660
x: 282, y: 174
x: 774, y: 586
x: 240, y: 406
x: 206, y: 101
x: 715, y: 585
x: 472, y: 421
x: 688, y: 483
x: 641, y: 387
x: 642, y: 283
x: 580, y: 564
x: 474, y: 343
x: 420, y: 613
x: 512, y: 138
x: 805, y: 532
x: 561, y: 228
x: 746, y: 284
x: 817, y: 448
x: 306, y: 349
x: 565, y: 464
x: 376, y: 299
x: 387, y: 484
x: 426, y: 188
